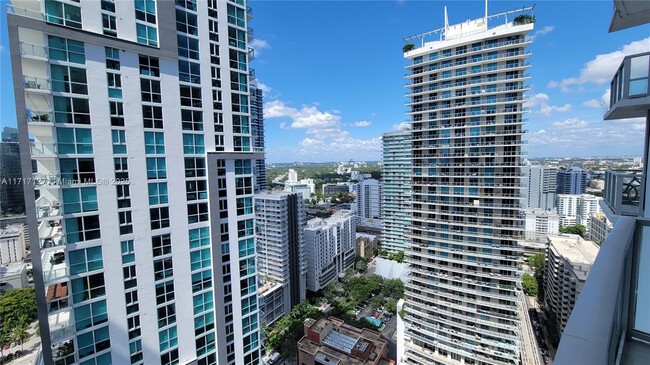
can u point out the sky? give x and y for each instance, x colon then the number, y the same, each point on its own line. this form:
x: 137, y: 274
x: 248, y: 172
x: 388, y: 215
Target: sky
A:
x: 333, y: 75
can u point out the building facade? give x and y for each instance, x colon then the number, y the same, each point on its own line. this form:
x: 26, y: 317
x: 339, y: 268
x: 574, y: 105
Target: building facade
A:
x: 368, y: 202
x: 540, y: 223
x: 467, y: 104
x: 257, y: 132
x: 140, y: 118
x: 573, y: 180
x: 331, y: 248
x: 396, y: 190
x: 12, y: 244
x: 541, y: 187
x: 569, y: 259
x: 12, y: 199
x: 280, y: 220
x: 577, y: 209
x: 599, y: 227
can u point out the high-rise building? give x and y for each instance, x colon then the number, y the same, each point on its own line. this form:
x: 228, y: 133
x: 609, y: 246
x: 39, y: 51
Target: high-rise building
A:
x: 280, y: 220
x: 12, y: 244
x: 12, y: 200
x: 599, y: 227
x: 577, y: 209
x: 462, y: 290
x: 540, y: 223
x: 331, y: 248
x: 541, y: 187
x: 396, y: 190
x: 573, y: 180
x: 368, y: 202
x: 257, y: 132
x: 9, y: 134
x: 140, y: 115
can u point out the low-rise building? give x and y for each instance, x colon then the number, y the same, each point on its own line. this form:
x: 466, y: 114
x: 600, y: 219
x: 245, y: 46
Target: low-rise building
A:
x: 540, y: 223
x: 12, y: 244
x: 13, y: 276
x: 599, y: 227
x: 332, y: 342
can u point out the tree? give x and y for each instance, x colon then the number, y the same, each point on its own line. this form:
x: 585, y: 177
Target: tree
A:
x: 16, y: 306
x: 408, y: 47
x: 5, y: 338
x: 398, y: 256
x: 537, y: 262
x: 391, y: 305
x: 578, y: 229
x: 530, y: 285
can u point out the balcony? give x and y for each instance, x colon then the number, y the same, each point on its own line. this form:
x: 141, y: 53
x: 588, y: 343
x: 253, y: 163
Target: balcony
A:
x: 630, y: 97
x: 611, y: 318
x: 622, y: 191
x: 61, y: 325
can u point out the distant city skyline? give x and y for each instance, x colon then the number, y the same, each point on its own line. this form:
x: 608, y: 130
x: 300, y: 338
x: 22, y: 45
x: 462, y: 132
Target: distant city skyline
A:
x: 332, y: 89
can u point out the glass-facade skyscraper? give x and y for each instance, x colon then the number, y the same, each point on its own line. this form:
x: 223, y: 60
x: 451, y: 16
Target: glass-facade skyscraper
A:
x: 396, y: 190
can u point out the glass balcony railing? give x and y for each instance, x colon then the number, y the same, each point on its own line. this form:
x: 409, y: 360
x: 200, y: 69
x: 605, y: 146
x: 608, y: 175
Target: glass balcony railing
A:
x: 623, y: 190
x: 36, y: 83
x: 40, y: 116
x: 630, y: 88
x: 43, y: 149
x: 27, y: 49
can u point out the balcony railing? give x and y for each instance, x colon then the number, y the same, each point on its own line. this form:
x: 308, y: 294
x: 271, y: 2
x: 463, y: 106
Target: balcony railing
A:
x: 630, y: 88
x: 622, y: 191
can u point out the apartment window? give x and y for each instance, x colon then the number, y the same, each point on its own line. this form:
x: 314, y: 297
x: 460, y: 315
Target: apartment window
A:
x: 158, y: 193
x: 79, y: 200
x: 121, y: 168
x: 82, y: 229
x: 130, y: 280
x: 190, y: 96
x: 74, y: 141
x: 161, y: 245
x: 135, y: 350
x: 186, y: 22
x: 236, y: 38
x: 238, y: 81
x: 126, y: 222
x: 114, y: 85
x: 64, y: 14
x: 145, y: 10
x: 168, y: 338
x: 243, y: 186
x: 239, y: 103
x: 187, y: 4
x: 194, y: 167
x: 197, y: 212
x: 215, y: 73
x: 76, y: 170
x: 90, y: 315
x: 245, y: 228
x: 216, y: 100
x: 193, y: 144
x: 150, y: 90
x: 131, y: 300
x: 192, y: 120
x: 247, y: 267
x: 119, y: 141
x: 241, y: 123
x: 164, y: 292
x: 244, y: 206
x: 169, y: 358
x: 69, y: 79
x: 85, y: 260
x: 188, y: 47
x: 93, y: 341
x: 133, y: 326
x: 166, y: 315
x: 203, y: 323
x: 117, y: 113
x: 237, y: 60
x: 88, y: 287
x: 149, y: 66
x: 201, y: 280
x: 196, y: 189
x: 203, y: 302
x: 214, y: 57
x: 242, y: 143
x: 199, y: 237
x: 249, y: 324
x: 154, y: 143
x: 128, y: 253
x: 213, y: 27
x: 123, y: 196
x: 156, y: 168
x: 62, y: 49
x: 248, y: 305
x: 108, y: 5
x: 152, y: 116
x: 246, y: 247
x: 236, y: 16
x: 159, y: 217
x: 189, y: 72
x: 162, y: 268
x: 109, y: 25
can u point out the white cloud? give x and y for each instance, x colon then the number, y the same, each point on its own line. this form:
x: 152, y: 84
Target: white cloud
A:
x: 308, y: 117
x: 538, y: 103
x: 362, y: 123
x: 603, y: 103
x: 265, y: 88
x: 546, y: 30
x: 404, y: 126
x: 546, y: 110
x: 601, y: 69
x: 258, y: 45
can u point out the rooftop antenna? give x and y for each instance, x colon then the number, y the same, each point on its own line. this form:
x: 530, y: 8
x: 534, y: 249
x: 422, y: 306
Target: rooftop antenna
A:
x: 446, y: 23
x: 486, y: 12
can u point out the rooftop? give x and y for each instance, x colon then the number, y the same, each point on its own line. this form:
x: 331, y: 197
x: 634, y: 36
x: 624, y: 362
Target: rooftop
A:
x: 12, y: 269
x: 11, y: 231
x: 574, y: 248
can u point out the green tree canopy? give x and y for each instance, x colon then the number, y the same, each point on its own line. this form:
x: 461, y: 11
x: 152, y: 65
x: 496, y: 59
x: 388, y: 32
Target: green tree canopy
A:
x: 537, y: 262
x: 578, y: 229
x: 530, y: 285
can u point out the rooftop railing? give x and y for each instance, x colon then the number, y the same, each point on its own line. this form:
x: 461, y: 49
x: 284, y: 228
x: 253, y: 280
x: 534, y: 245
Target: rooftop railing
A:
x: 622, y: 191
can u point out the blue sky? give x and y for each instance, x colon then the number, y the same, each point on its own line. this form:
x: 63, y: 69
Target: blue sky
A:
x: 333, y: 74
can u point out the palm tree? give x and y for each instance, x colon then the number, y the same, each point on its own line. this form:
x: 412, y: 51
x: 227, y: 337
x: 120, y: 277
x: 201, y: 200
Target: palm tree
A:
x: 20, y: 334
x: 5, y: 338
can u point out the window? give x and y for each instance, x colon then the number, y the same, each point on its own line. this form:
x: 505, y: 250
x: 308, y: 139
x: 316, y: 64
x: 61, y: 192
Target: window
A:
x: 90, y: 315
x: 197, y: 212
x: 192, y: 120
x: 169, y: 358
x: 201, y: 280
x: 243, y: 167
x: 71, y: 110
x: 161, y: 245
x: 88, y: 287
x: 189, y: 72
x: 117, y: 113
x: 196, y: 189
x: 245, y: 228
x: 236, y: 38
x: 215, y: 73
x: 249, y: 324
x: 150, y: 91
x: 237, y: 60
x: 243, y: 186
x: 240, y: 124
x: 149, y: 66
x: 193, y: 144
x: 69, y: 79
x: 123, y: 196
x: 236, y: 16
x: 109, y: 25
x: 128, y: 252
x: 74, y: 141
x: 239, y: 103
x: 121, y: 168
x: 135, y: 350
x: 242, y: 143
x: 126, y: 222
x: 203, y: 323
x: 194, y: 167
x: 246, y: 247
x: 158, y: 193
x: 145, y: 10
x: 190, y: 96
x: 79, y: 200
x: 199, y: 237
x: 152, y: 116
x: 166, y: 315
x: 85, y: 260
x: 154, y: 143
x: 162, y: 268
x: 93, y: 341
x: 119, y: 141
x: 188, y: 47
x: 244, y: 206
x: 168, y: 338
x: 108, y: 5
x: 159, y: 217
x: 114, y: 85
x: 131, y: 299
x: 64, y: 14
x: 238, y: 81
x: 62, y: 49
x: 164, y: 292
x: 82, y: 229
x: 250, y: 342
x: 247, y: 267
x: 186, y: 22
x: 203, y: 302
x: 133, y: 326
x: 77, y: 170
x: 156, y: 168
x: 248, y: 305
